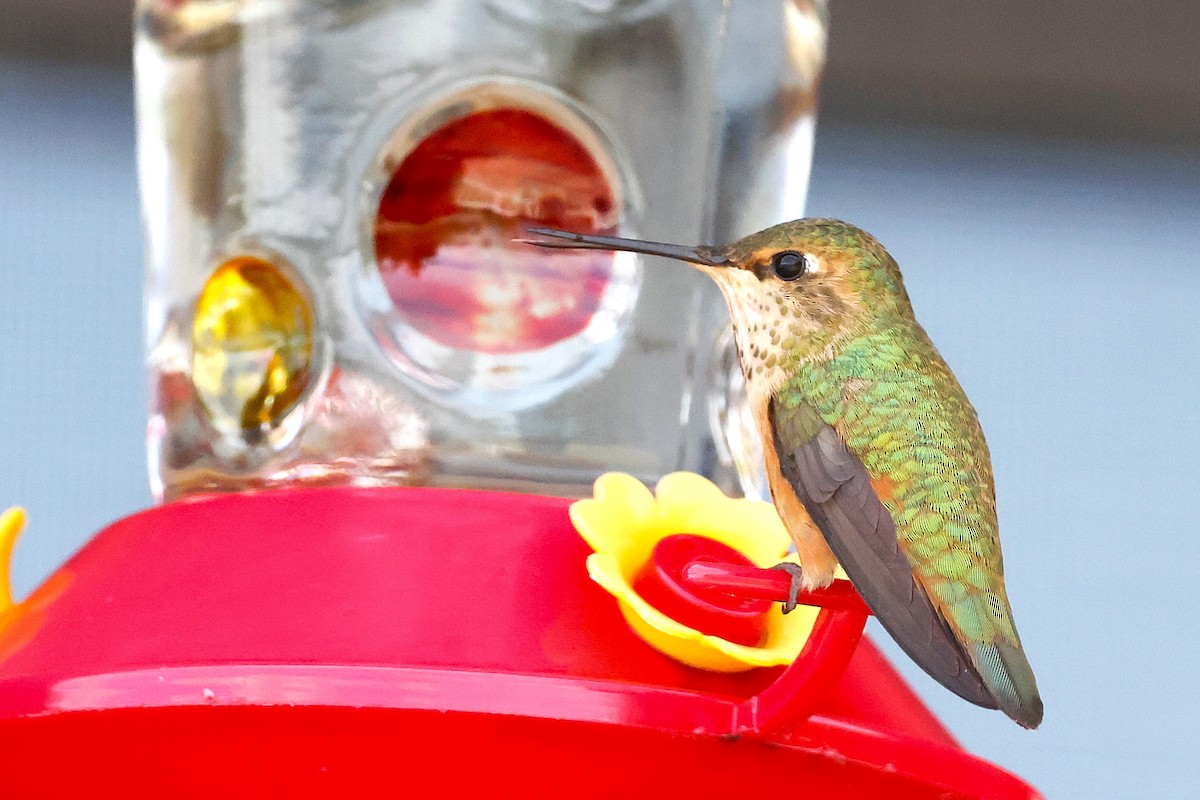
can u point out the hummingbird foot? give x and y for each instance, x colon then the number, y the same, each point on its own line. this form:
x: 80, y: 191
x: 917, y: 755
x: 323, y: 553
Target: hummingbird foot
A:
x: 797, y: 574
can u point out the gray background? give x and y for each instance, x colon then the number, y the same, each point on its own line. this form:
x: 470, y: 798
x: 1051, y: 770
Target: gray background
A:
x: 1035, y: 170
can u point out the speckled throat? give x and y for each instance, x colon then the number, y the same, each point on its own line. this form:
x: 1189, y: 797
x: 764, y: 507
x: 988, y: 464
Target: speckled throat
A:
x: 774, y: 336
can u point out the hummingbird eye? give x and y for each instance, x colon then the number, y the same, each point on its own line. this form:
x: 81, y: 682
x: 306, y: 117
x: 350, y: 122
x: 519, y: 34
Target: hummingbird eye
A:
x: 789, y: 264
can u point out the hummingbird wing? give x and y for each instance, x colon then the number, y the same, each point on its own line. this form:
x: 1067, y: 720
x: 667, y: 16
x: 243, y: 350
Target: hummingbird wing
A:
x: 836, y: 490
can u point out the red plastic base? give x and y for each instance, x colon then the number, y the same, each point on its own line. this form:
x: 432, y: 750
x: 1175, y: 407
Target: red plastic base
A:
x: 351, y: 640
x: 339, y: 752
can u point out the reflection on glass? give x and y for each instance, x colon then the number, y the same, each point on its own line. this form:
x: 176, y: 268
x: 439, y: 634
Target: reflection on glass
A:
x: 448, y: 217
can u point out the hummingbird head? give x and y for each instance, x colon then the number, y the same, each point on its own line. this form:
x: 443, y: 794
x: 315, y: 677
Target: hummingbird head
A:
x: 795, y: 290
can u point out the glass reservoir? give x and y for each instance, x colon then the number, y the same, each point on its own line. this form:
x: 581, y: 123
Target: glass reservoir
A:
x: 332, y: 191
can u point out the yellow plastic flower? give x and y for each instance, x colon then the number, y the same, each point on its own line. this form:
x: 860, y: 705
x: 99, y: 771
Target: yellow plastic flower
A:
x: 623, y: 522
x: 20, y: 622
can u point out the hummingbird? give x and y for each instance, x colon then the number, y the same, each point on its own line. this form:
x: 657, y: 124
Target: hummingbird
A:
x: 875, y: 457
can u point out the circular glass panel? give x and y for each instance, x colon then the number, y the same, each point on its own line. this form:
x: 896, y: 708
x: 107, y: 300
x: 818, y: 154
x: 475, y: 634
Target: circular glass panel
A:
x: 448, y: 217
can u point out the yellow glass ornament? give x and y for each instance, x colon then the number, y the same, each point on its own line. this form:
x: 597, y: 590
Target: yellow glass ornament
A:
x: 252, y: 347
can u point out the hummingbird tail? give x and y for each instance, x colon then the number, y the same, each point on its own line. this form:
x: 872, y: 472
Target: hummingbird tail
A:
x: 1006, y: 672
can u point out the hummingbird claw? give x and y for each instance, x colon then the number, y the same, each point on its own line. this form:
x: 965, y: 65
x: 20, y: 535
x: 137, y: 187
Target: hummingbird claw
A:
x: 797, y: 574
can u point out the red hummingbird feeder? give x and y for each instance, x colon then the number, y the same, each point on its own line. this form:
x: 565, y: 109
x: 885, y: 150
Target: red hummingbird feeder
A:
x: 431, y: 641
x: 372, y: 410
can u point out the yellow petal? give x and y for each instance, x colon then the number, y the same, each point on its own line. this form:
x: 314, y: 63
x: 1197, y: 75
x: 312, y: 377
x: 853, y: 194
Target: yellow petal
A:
x: 602, y: 526
x: 770, y: 535
x: 686, y: 500
x: 11, y: 523
x: 752, y: 528
x: 604, y: 570
x: 627, y: 492
x: 622, y: 520
x: 687, y: 490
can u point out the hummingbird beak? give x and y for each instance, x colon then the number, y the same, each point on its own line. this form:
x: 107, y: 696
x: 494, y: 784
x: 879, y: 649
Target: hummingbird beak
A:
x: 565, y: 240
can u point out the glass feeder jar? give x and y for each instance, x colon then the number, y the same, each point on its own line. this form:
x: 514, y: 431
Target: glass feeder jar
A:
x: 332, y: 190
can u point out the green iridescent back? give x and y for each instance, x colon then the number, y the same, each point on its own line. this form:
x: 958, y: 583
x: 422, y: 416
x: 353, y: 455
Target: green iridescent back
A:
x: 898, y: 407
